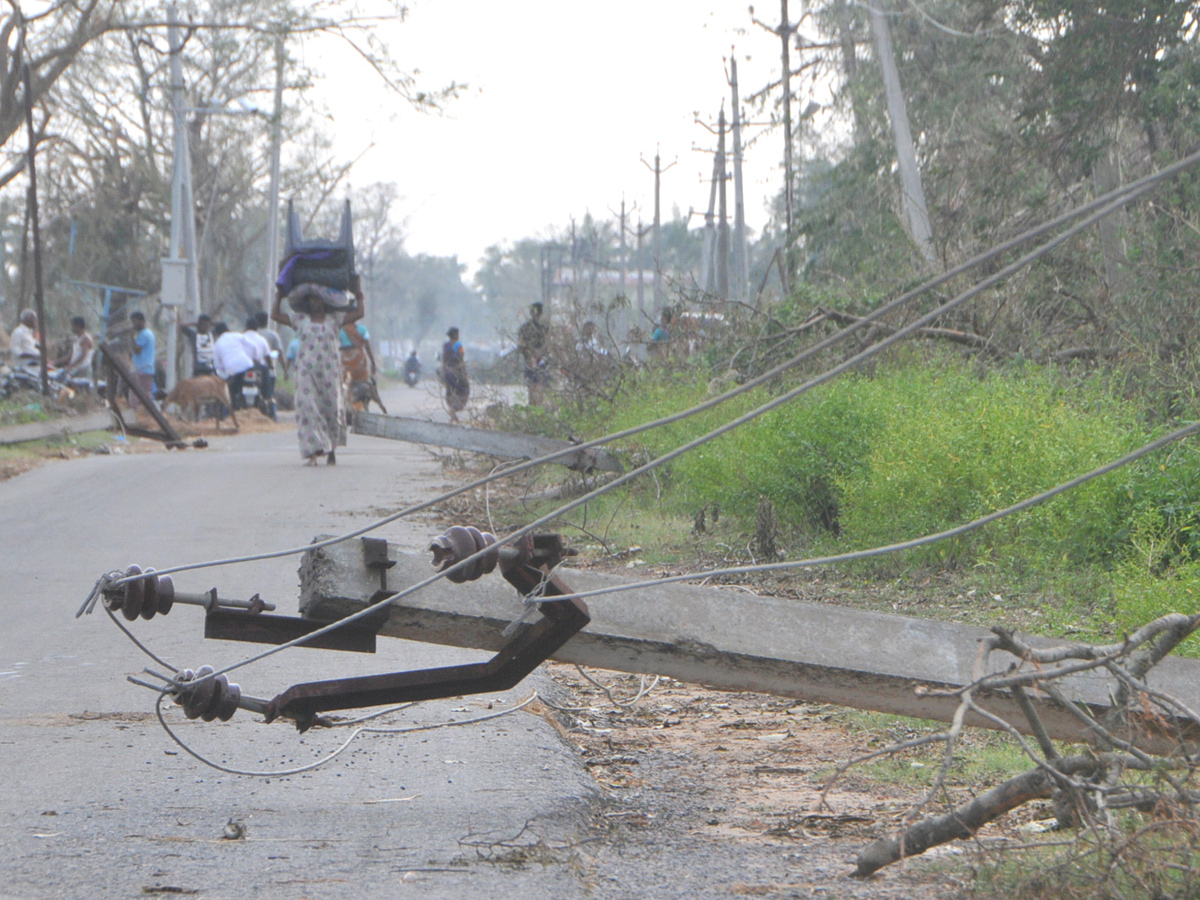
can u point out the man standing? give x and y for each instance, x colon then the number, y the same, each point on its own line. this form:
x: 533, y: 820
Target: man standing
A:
x: 78, y: 363
x: 25, y: 343
x: 531, y: 341
x: 144, y: 353
x: 270, y: 334
x: 201, y: 336
x: 259, y: 351
x: 232, y: 362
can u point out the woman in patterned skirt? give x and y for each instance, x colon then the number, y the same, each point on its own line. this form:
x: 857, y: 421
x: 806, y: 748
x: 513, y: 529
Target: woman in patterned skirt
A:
x: 320, y: 313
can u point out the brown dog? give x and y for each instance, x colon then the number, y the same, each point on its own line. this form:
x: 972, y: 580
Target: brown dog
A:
x: 201, y: 389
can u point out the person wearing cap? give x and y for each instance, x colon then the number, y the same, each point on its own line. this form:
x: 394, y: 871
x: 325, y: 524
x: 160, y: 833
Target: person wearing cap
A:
x: 454, y: 374
x: 318, y: 313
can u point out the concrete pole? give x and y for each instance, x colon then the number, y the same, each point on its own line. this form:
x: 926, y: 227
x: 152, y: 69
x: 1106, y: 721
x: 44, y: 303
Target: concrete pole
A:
x: 707, y: 276
x: 723, y: 217
x: 912, y: 193
x: 741, y: 252
x: 273, y: 198
x: 641, y: 293
x: 657, y: 233
x: 179, y: 207
x: 785, y: 36
x: 658, y: 171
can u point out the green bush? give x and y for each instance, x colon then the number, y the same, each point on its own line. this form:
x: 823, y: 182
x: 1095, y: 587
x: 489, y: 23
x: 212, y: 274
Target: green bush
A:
x: 952, y: 447
x: 918, y: 448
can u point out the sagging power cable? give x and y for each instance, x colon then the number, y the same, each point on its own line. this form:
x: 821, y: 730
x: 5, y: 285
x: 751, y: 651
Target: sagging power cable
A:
x: 957, y: 531
x: 854, y: 361
x: 1108, y: 203
x: 329, y: 757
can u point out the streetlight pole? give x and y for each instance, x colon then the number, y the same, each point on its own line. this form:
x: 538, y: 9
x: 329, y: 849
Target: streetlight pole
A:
x: 273, y: 202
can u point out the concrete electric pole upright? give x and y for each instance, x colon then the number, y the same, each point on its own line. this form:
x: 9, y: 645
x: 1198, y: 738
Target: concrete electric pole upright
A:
x: 658, y: 171
x: 741, y: 253
x: 723, y: 213
x: 273, y: 199
x: 181, y: 279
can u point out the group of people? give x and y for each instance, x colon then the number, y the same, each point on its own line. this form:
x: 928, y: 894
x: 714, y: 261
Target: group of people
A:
x: 26, y: 349
x: 233, y: 355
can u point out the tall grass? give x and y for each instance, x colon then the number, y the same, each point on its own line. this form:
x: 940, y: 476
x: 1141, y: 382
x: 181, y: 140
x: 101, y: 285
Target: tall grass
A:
x: 916, y: 449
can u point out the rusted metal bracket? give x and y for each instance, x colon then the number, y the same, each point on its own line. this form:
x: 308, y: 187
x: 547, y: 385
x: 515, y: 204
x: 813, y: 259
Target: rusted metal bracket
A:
x: 528, y: 567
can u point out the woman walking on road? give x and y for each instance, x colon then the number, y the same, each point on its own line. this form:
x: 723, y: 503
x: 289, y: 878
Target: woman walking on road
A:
x: 454, y: 374
x: 320, y: 313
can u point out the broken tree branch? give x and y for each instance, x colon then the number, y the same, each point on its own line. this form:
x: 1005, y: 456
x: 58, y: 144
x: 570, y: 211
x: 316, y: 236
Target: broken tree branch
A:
x: 966, y: 338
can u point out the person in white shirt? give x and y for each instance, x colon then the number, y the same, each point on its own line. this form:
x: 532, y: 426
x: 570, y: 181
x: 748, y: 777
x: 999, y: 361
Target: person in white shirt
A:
x: 257, y: 347
x: 25, y: 343
x: 231, y: 361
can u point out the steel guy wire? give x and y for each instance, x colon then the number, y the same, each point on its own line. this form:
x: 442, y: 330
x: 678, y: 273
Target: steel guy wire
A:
x: 867, y: 353
x: 282, y: 773
x: 1108, y: 203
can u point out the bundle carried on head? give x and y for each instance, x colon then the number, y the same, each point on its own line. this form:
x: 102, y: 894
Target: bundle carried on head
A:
x: 317, y: 261
x: 302, y: 296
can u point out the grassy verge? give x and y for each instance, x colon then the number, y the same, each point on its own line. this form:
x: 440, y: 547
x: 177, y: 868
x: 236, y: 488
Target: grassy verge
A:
x: 911, y: 450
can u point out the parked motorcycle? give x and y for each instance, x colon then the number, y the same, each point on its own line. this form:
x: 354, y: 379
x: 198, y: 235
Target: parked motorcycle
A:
x: 253, y: 391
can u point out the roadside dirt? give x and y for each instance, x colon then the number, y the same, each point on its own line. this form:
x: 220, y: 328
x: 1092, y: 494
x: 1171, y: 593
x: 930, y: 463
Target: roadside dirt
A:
x: 733, y: 781
x: 20, y: 458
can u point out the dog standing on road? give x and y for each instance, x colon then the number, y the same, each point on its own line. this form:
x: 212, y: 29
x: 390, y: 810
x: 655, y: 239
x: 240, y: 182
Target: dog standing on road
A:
x: 202, y: 389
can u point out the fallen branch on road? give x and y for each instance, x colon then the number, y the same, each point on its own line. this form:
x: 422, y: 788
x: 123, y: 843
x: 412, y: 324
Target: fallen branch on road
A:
x: 1114, y: 774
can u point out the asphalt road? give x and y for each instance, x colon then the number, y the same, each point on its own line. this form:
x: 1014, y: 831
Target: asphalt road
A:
x: 95, y: 799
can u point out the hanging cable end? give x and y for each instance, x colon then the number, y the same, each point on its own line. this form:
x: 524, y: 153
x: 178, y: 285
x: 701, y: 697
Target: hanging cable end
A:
x: 90, y: 603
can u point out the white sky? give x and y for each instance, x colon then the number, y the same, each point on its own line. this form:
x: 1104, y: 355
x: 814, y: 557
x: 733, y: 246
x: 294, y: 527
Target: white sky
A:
x: 564, y: 100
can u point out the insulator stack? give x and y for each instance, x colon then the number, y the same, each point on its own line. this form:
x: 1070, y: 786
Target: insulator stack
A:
x: 146, y: 597
x: 213, y: 698
x: 460, y: 542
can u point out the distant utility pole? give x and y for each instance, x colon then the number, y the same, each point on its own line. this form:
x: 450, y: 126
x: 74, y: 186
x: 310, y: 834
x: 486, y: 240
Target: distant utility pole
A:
x: 658, y: 171
x: 785, y: 32
x: 912, y: 194
x: 709, y: 249
x: 624, y: 252
x: 723, y: 219
x: 741, y: 254
x: 273, y: 201
x: 641, y: 292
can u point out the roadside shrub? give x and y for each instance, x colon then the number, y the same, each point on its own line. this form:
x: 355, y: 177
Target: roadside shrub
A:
x: 951, y: 447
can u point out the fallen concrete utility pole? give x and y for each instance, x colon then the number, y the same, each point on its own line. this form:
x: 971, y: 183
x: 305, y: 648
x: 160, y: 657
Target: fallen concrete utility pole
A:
x: 36, y: 431
x: 480, y: 440
x: 114, y: 369
x: 732, y: 641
